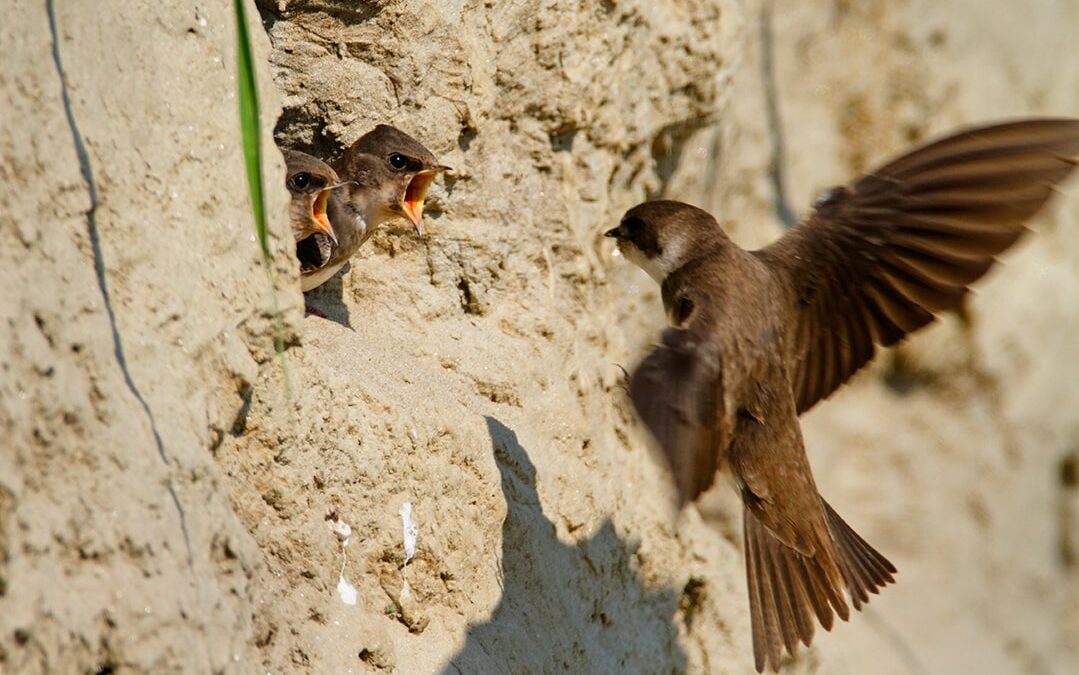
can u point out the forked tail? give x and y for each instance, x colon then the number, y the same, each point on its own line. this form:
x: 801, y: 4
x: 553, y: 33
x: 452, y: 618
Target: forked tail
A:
x: 786, y: 588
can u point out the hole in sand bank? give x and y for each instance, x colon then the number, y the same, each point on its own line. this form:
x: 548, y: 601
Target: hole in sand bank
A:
x: 313, y: 251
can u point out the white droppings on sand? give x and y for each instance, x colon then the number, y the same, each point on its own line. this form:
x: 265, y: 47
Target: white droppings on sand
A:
x: 410, y: 531
x: 343, y: 531
x: 345, y: 590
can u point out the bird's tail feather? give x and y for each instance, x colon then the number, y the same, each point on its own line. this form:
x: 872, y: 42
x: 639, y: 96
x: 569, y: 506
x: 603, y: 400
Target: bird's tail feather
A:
x: 864, y: 569
x: 787, y: 589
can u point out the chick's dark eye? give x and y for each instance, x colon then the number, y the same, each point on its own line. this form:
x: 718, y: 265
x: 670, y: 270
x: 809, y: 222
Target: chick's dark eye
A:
x: 398, y: 161
x: 684, y: 310
x: 301, y: 180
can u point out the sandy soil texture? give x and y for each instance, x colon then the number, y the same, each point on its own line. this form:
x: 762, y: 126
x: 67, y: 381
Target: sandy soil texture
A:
x: 169, y: 489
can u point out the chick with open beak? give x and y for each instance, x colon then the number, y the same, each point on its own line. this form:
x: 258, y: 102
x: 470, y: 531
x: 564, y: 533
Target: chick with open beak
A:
x: 310, y: 181
x: 388, y: 174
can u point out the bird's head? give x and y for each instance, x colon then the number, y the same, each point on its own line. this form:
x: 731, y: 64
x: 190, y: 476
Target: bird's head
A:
x: 662, y: 236
x: 391, y: 172
x: 309, y: 180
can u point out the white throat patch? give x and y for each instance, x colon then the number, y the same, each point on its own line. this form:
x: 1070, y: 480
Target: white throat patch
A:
x: 659, y: 267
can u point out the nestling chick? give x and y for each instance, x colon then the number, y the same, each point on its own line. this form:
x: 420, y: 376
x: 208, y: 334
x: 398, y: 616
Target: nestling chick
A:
x: 388, y: 174
x: 310, y: 180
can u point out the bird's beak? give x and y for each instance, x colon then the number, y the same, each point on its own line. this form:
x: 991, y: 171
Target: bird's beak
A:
x: 617, y: 232
x: 416, y: 192
x: 318, y: 215
x: 318, y: 210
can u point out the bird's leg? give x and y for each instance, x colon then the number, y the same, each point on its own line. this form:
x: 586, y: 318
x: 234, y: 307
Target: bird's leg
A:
x: 623, y: 383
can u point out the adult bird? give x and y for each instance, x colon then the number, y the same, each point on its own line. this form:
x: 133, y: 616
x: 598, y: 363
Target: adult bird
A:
x: 756, y: 338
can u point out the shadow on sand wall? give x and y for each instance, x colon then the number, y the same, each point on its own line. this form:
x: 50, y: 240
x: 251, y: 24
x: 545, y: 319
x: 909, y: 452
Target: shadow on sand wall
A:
x: 613, y: 621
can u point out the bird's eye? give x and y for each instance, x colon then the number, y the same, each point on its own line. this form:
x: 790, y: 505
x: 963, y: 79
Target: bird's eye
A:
x: 633, y: 225
x: 684, y: 310
x: 301, y: 180
x: 398, y: 161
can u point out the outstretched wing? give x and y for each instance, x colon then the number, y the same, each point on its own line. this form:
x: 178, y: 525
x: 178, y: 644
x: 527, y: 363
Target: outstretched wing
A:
x: 877, y: 260
x: 677, y: 392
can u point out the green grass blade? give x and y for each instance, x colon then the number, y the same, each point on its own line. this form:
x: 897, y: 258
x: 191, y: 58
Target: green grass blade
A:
x: 252, y: 135
x: 249, y: 121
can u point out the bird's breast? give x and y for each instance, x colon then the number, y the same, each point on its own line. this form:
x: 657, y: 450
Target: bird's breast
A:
x: 320, y: 276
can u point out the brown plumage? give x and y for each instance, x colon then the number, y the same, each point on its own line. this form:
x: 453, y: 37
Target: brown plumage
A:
x: 309, y: 181
x: 759, y: 337
x: 388, y: 173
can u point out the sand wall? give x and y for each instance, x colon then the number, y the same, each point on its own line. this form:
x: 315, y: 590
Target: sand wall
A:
x: 165, y: 482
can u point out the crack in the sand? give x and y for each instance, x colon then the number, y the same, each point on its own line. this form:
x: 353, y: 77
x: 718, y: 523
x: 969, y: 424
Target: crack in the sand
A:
x: 775, y: 126
x: 99, y: 266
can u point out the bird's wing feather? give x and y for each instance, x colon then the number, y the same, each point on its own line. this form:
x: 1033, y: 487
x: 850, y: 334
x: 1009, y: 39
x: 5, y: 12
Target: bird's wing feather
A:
x: 877, y: 260
x: 677, y: 392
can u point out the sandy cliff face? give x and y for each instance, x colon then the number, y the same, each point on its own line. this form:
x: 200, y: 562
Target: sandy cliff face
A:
x: 165, y: 485
x: 134, y: 312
